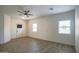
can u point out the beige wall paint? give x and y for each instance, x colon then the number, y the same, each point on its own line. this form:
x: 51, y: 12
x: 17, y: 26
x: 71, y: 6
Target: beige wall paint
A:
x: 14, y: 23
x: 48, y: 28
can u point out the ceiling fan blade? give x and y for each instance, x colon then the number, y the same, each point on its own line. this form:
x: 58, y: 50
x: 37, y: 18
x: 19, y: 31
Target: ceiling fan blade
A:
x: 20, y: 12
x: 30, y: 14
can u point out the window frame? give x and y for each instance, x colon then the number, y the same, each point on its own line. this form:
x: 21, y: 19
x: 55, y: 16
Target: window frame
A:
x: 34, y: 27
x: 65, y: 27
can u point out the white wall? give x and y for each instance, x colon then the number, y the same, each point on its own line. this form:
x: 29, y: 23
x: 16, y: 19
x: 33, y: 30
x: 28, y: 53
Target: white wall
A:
x: 77, y: 28
x: 4, y: 28
x: 14, y: 23
x: 7, y: 28
x: 48, y: 28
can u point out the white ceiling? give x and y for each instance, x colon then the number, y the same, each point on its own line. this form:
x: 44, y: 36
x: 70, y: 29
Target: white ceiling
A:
x: 36, y: 10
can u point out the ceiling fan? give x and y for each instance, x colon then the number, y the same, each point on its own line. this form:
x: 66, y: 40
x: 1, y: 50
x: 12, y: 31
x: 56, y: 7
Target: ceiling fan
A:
x: 26, y: 12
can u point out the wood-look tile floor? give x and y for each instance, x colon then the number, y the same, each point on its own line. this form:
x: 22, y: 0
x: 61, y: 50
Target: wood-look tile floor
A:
x: 30, y: 45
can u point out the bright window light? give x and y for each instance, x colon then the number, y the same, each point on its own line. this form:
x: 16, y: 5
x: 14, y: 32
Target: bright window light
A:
x: 64, y: 27
x: 34, y: 27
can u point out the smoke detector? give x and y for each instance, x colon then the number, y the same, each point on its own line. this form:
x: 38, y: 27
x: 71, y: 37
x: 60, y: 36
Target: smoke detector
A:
x: 50, y: 8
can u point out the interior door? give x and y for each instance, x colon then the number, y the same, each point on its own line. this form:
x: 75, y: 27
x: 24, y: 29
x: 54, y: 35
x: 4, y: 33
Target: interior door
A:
x: 19, y: 30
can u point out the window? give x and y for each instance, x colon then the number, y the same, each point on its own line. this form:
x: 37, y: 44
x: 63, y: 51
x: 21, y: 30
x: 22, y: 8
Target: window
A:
x: 64, y: 27
x: 34, y: 27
